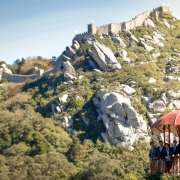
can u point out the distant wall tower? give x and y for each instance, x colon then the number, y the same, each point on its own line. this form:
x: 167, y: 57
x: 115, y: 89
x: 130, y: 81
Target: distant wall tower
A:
x: 92, y: 29
x: 162, y: 12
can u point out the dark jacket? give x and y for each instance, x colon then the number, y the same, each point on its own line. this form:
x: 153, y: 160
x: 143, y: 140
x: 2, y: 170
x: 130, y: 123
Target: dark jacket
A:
x: 178, y: 149
x: 170, y: 152
x: 174, y: 150
x: 161, y: 153
x: 153, y: 153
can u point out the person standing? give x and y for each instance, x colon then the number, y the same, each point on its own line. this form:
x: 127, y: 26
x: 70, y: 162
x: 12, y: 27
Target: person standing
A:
x: 153, y: 157
x: 168, y: 159
x: 161, y: 153
x: 175, y: 158
x: 174, y: 148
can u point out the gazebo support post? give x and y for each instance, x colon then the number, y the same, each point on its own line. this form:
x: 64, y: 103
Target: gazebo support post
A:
x: 169, y: 136
x: 164, y: 128
x: 178, y: 133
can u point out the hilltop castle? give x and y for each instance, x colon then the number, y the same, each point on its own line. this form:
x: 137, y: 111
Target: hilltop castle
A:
x: 112, y: 28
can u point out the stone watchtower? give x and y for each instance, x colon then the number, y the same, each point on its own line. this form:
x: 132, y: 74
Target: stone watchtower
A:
x: 92, y: 29
x: 162, y: 12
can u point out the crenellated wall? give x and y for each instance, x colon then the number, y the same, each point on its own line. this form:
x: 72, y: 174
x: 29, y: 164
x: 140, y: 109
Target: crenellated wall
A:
x: 17, y: 78
x: 136, y: 21
x: 7, y: 75
x: 114, y: 28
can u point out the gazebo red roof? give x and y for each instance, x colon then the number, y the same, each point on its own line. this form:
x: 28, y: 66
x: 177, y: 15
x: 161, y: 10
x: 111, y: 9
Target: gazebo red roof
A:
x: 171, y: 119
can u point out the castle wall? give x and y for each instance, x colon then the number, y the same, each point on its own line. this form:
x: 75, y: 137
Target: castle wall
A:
x: 112, y: 28
x: 137, y: 21
x: 92, y: 29
x: 161, y: 11
x: 16, y: 78
x: 115, y: 28
x: 103, y: 29
x: 1, y: 74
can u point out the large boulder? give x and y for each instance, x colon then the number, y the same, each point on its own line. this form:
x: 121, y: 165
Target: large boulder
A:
x: 168, y: 100
x: 158, y: 38
x: 117, y: 39
x: 5, y: 69
x: 171, y: 66
x: 173, y: 99
x: 75, y: 45
x: 69, y: 71
x: 124, y: 126
x: 146, y: 46
x: 157, y: 106
x: 173, y: 95
x: 104, y: 57
x: 132, y: 37
x: 123, y: 54
x: 128, y: 90
x: 70, y: 52
x: 172, y: 78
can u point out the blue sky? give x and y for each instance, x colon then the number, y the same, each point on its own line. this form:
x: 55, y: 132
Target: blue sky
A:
x: 46, y: 27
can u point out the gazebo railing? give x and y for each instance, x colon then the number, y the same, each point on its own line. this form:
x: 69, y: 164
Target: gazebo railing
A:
x: 160, y: 166
x: 175, y: 167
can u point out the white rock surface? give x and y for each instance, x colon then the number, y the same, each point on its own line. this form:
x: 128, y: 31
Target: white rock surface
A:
x: 157, y: 106
x: 118, y: 40
x: 173, y: 95
x: 132, y: 37
x: 104, y: 57
x: 75, y: 45
x: 70, y: 52
x: 166, y: 23
x: 123, y: 54
x: 5, y: 69
x: 158, y: 35
x: 149, y: 23
x: 63, y: 98
x: 156, y: 55
x: 124, y: 126
x: 67, y: 122
x: 151, y: 80
x: 175, y: 104
x: 146, y: 99
x: 153, y: 117
x: 146, y: 46
x: 148, y: 37
x: 172, y: 78
x: 69, y: 71
x: 58, y: 109
x: 128, y: 90
x: 97, y: 71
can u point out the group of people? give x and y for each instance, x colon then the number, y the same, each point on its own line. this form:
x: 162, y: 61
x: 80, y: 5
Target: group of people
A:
x: 162, y: 156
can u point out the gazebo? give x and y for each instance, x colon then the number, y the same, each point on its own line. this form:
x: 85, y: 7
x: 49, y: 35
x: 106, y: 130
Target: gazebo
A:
x: 167, y: 124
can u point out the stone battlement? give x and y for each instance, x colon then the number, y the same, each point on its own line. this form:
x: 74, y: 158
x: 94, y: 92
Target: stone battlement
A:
x: 7, y: 75
x: 114, y: 28
x: 17, y: 78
